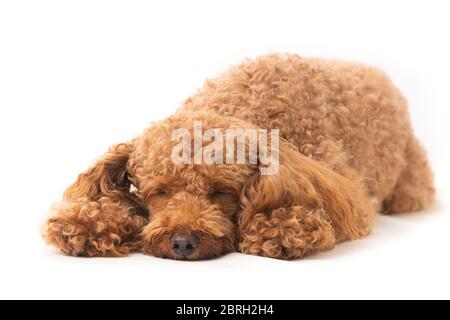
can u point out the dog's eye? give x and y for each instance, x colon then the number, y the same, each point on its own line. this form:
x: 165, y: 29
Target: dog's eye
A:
x: 160, y: 193
x: 219, y: 193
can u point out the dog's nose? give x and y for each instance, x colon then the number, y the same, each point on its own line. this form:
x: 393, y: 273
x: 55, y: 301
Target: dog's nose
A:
x: 183, y: 244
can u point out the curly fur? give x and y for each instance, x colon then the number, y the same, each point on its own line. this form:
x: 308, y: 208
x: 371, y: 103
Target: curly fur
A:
x: 94, y: 228
x: 348, y: 151
x: 289, y: 233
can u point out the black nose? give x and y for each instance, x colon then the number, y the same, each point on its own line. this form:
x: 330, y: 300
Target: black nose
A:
x: 183, y: 244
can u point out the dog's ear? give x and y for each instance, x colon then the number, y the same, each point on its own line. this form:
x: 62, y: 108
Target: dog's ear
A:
x: 107, y: 178
x: 301, y: 181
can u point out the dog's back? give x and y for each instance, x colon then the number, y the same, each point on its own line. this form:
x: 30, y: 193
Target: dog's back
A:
x: 349, y: 116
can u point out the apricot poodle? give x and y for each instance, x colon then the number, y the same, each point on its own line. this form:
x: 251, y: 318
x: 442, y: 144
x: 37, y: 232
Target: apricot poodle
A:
x: 347, y: 152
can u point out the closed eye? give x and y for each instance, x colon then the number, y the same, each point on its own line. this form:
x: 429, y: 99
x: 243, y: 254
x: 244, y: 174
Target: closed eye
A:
x: 160, y: 193
x: 220, y: 192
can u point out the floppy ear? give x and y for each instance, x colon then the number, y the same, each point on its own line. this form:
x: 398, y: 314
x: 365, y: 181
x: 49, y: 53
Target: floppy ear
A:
x: 100, y: 214
x: 307, y: 184
x: 107, y: 178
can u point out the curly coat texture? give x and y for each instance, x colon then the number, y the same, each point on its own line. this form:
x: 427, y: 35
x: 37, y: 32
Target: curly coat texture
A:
x: 347, y: 152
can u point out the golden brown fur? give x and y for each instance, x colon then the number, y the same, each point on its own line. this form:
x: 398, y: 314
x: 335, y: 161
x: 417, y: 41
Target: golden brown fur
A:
x: 347, y: 151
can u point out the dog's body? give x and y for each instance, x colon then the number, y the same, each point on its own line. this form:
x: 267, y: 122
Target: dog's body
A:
x: 348, y: 151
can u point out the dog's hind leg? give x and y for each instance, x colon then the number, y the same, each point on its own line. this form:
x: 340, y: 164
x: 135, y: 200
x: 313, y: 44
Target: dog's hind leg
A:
x: 415, y: 187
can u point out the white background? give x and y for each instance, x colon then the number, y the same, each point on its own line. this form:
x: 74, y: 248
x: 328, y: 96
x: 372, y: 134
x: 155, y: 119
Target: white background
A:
x: 78, y: 76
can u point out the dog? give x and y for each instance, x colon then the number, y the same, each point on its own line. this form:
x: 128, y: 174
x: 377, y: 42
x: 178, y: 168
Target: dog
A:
x: 346, y: 153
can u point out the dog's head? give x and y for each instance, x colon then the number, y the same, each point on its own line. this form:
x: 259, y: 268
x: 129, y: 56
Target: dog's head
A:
x: 196, y: 209
x: 193, y: 205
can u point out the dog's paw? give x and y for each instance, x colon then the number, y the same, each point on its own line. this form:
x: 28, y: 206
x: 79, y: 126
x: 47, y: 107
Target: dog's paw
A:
x: 77, y: 241
x: 90, y: 229
x: 288, y: 234
x: 69, y: 238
